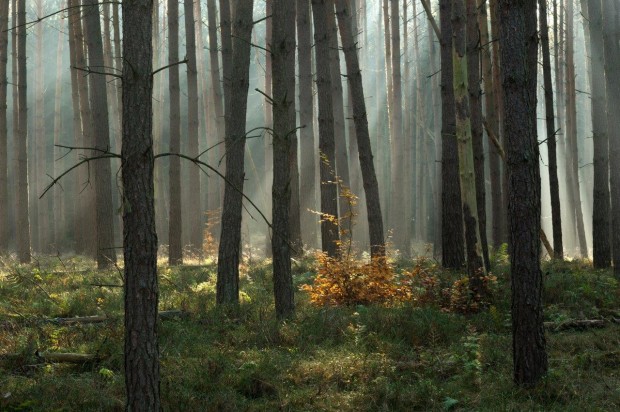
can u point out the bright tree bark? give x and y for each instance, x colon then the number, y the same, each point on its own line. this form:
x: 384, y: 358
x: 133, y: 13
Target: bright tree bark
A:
x: 106, y: 252
x: 4, y: 202
x: 283, y: 69
x: 139, y: 237
x: 37, y: 139
x: 452, y: 243
x: 601, y: 217
x: 175, y: 221
x: 59, y: 208
x: 330, y: 235
x: 518, y: 34
x: 236, y: 110
x: 195, y: 215
x: 362, y: 134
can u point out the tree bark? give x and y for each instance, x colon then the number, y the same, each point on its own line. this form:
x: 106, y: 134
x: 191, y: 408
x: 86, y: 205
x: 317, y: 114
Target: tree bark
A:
x: 518, y: 35
x: 452, y: 246
x: 139, y: 234
x: 4, y: 202
x: 195, y: 216
x: 236, y: 110
x: 175, y: 221
x: 362, y: 134
x: 330, y: 236
x: 21, y: 205
x: 307, y: 192
x: 601, y: 209
x: 106, y: 252
x: 283, y: 69
x: 554, y: 187
x: 59, y: 208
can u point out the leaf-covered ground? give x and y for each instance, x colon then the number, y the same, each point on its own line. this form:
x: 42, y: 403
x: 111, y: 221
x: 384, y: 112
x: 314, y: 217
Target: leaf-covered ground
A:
x: 411, y: 356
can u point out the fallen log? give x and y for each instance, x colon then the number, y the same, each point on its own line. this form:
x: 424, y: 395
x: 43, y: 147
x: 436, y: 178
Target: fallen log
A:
x: 53, y: 357
x: 82, y: 320
x: 576, y: 324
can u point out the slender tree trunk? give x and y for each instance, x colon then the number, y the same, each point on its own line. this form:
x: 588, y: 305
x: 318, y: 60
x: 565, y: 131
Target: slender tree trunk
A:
x: 58, y: 207
x: 106, y: 253
x: 362, y: 134
x: 451, y: 217
x: 571, y: 129
x: 611, y: 34
x: 518, y: 31
x: 475, y: 261
x: 475, y: 105
x: 21, y: 205
x: 327, y: 146
x: 554, y: 187
x: 236, y: 110
x: 215, y: 199
x: 601, y: 218
x: 37, y: 168
x: 140, y: 238
x: 195, y: 217
x: 307, y: 192
x: 268, y: 119
x: 4, y: 203
x: 175, y: 221
x: 283, y: 58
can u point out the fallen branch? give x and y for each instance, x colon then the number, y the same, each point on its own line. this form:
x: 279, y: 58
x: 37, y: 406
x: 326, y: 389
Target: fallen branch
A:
x: 52, y: 357
x: 577, y: 324
x: 79, y: 320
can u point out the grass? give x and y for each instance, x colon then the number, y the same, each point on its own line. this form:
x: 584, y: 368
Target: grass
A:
x: 363, y: 358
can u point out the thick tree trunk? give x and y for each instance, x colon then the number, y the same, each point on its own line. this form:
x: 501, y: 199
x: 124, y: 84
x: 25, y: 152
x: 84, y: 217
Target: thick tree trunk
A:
x: 330, y: 235
x: 140, y: 238
x: 554, y: 187
x: 4, y: 203
x: 518, y: 31
x: 571, y: 131
x: 307, y: 192
x: 473, y: 246
x: 195, y: 217
x: 175, y: 221
x: 283, y: 69
x: 21, y: 205
x: 452, y: 245
x: 106, y: 252
x: 362, y: 134
x: 236, y: 110
x: 601, y: 217
x: 611, y: 34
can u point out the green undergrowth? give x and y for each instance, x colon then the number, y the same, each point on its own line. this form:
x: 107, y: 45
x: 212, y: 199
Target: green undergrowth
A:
x: 410, y: 356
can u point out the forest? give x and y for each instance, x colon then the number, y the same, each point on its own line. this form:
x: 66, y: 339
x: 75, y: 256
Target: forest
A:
x: 309, y: 205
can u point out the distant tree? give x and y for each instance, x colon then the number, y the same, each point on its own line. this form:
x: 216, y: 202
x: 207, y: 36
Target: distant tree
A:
x: 139, y: 237
x: 518, y: 35
x: 4, y: 200
x: 236, y: 111
x: 193, y: 185
x: 283, y: 69
x: 21, y: 205
x: 330, y: 235
x: 452, y: 246
x: 106, y: 252
x: 175, y: 225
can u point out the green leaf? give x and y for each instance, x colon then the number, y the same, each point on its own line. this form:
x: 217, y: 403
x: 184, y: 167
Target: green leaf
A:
x: 449, y: 403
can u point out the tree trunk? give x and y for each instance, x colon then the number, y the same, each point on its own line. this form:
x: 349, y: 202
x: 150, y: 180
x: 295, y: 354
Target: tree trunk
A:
x: 283, y: 69
x: 330, y: 236
x: 473, y: 246
x: 571, y: 131
x: 611, y: 34
x: 140, y: 238
x: 37, y: 167
x: 556, y: 216
x: 475, y: 104
x: 106, y: 253
x: 518, y: 34
x: 4, y: 42
x: 236, y: 110
x: 175, y: 221
x: 601, y: 218
x: 59, y: 234
x: 21, y: 205
x: 307, y: 193
x: 362, y: 134
x: 195, y: 216
x: 452, y: 245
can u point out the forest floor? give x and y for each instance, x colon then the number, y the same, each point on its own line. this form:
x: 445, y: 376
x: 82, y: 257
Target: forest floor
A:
x: 407, y: 356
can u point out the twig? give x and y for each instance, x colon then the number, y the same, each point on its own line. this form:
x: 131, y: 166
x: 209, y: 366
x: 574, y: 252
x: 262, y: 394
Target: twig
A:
x: 184, y: 61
